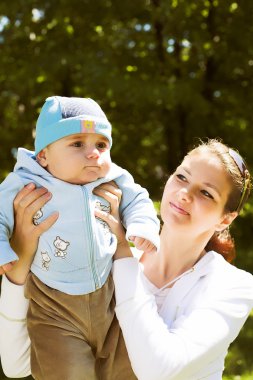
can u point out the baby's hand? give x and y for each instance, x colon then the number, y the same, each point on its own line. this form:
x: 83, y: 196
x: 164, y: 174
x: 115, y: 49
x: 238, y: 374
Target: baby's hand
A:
x: 6, y: 268
x: 143, y: 244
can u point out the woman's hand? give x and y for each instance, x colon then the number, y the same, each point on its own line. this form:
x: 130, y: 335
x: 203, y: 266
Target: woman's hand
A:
x: 26, y: 234
x: 110, y: 192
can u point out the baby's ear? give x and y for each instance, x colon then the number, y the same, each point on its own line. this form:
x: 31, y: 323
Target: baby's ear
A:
x: 226, y: 220
x: 41, y: 158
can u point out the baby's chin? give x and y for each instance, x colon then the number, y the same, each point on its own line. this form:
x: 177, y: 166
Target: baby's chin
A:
x: 90, y: 175
x: 90, y: 179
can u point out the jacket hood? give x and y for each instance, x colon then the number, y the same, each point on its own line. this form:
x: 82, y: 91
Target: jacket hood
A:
x: 26, y: 160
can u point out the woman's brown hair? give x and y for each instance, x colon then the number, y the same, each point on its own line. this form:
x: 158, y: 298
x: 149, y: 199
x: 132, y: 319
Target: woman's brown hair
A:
x: 235, y: 166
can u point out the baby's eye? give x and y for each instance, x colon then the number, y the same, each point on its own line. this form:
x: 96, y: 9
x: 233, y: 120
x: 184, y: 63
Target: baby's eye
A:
x: 102, y: 145
x: 181, y: 177
x: 77, y: 144
x: 207, y: 194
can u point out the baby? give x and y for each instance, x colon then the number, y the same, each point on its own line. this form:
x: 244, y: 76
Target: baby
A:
x: 74, y: 258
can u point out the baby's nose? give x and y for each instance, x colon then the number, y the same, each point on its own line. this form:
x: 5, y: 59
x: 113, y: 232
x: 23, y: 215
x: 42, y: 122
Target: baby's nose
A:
x: 92, y: 152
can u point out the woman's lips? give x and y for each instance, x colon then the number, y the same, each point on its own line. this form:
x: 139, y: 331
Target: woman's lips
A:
x: 179, y: 209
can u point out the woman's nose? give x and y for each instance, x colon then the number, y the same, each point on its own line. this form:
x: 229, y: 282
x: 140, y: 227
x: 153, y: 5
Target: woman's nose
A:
x: 185, y: 195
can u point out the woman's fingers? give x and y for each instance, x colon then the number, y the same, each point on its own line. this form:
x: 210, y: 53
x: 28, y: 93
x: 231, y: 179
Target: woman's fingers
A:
x: 46, y: 223
x: 113, y: 195
x: 110, y: 192
x: 113, y: 222
x: 110, y: 187
x: 112, y: 198
x: 31, y: 201
x: 25, y: 235
x: 24, y: 192
x: 27, y: 202
x: 39, y: 200
x: 27, y: 195
x: 106, y: 216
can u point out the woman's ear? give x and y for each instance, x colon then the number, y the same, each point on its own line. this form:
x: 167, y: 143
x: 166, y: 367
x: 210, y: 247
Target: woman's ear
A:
x: 42, y: 158
x: 226, y: 220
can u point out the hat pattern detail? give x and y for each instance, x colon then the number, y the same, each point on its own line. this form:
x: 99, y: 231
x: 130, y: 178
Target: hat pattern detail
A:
x: 88, y: 126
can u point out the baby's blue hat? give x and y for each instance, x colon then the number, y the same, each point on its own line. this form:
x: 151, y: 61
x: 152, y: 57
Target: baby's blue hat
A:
x: 62, y: 116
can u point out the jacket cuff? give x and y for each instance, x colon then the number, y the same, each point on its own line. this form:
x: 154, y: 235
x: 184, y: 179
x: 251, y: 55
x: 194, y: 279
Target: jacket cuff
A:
x: 145, y: 233
x: 13, y: 304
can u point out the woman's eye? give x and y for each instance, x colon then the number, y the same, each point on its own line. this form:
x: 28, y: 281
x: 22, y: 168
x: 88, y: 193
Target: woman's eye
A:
x: 207, y: 194
x: 181, y: 177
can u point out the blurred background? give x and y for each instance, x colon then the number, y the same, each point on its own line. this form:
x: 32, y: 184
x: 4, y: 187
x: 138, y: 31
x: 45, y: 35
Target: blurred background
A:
x: 166, y: 73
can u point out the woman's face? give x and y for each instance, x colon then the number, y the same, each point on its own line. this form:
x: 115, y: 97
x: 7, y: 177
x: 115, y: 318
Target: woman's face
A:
x: 195, y: 195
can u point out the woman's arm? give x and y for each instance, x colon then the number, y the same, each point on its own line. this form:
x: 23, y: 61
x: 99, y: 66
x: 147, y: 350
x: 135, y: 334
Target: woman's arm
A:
x: 196, y: 340
x: 14, y: 340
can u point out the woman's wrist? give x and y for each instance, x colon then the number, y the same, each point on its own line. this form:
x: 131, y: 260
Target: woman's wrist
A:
x: 17, y: 280
x: 123, y: 250
x: 18, y: 274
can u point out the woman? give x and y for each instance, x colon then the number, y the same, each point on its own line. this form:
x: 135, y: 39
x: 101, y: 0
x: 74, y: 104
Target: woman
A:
x: 179, y: 309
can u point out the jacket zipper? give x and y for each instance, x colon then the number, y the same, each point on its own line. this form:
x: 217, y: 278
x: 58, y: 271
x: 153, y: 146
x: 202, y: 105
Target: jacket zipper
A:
x: 90, y: 239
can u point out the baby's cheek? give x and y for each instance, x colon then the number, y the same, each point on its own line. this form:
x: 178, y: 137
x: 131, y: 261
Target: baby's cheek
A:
x: 106, y: 165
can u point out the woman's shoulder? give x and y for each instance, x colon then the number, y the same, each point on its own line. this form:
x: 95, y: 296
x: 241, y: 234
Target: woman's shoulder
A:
x: 229, y: 274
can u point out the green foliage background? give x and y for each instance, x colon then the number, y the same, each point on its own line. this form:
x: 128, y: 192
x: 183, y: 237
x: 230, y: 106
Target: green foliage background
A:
x: 165, y: 72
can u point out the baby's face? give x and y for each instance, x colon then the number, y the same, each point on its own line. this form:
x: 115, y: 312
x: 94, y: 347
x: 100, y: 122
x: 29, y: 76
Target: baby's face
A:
x: 79, y: 159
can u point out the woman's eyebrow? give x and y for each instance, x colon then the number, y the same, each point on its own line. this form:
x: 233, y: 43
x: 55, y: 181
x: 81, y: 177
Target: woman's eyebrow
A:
x: 186, y: 169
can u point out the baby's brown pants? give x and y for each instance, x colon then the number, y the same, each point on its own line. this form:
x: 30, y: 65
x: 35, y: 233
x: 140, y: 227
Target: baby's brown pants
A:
x: 75, y: 337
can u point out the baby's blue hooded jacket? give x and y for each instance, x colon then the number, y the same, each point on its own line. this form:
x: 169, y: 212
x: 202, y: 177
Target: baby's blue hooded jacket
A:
x: 75, y: 254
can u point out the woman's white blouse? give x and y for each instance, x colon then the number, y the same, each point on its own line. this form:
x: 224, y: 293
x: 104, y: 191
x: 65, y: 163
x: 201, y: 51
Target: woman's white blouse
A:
x: 200, y: 316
